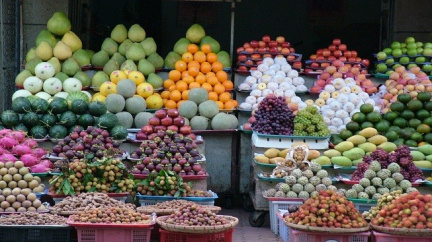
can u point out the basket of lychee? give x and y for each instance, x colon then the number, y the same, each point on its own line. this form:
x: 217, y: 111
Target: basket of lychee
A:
x: 409, y: 214
x: 328, y: 211
x: 195, y: 219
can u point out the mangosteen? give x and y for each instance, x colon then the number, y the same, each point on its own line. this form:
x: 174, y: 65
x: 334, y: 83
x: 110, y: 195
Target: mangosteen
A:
x: 94, y: 133
x: 145, y: 171
x: 152, y: 145
x: 187, y: 156
x: 165, y: 149
x: 154, y: 172
x: 94, y: 148
x: 166, y: 139
x: 192, y: 161
x: 57, y: 149
x: 158, y: 167
x: 79, y: 154
x: 177, y: 168
x: 71, y: 143
x: 135, y: 171
x: 148, y: 151
x: 161, y: 155
x: 182, y: 173
x: 173, y: 161
x: 173, y: 149
x: 196, y: 167
x: 67, y: 139
x: 177, y: 156
x: 69, y: 154
x: 168, y: 167
x: 201, y: 173
x: 177, y: 140
x: 146, y: 160
x: 134, y: 155
x: 188, y: 146
x: 164, y: 162
x: 187, y: 167
x: 182, y: 162
x: 144, y: 144
x: 109, y: 146
x: 194, y: 152
x: 155, y: 161
x: 168, y: 155
x: 182, y: 150
x: 140, y: 166
x: 157, y: 139
x: 116, y: 144
x: 139, y: 151
x: 150, y: 166
x: 190, y: 173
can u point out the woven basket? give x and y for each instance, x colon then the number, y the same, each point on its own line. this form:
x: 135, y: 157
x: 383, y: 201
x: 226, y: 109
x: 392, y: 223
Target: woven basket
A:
x: 151, y: 209
x: 63, y: 213
x: 403, y: 231
x: 198, y: 229
x: 326, y: 229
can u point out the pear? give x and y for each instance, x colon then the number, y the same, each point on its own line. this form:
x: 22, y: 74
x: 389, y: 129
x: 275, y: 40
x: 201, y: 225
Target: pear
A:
x: 149, y: 45
x: 156, y: 60
x: 82, y: 57
x: 145, y: 67
x: 70, y: 67
x: 59, y: 24
x: 110, y: 46
x: 135, y: 52
x: 110, y: 66
x: 61, y: 76
x: 119, y: 33
x: 100, y: 58
x: 99, y: 78
x: 195, y: 33
x: 136, y: 33
x: 124, y: 46
x: 44, y: 51
x: 20, y: 78
x: 62, y: 51
x: 30, y: 54
x: 119, y: 58
x: 129, y: 65
x: 171, y: 59
x: 31, y: 64
x: 155, y: 80
x: 83, y: 77
x: 72, y: 40
x: 46, y: 36
x: 90, y: 53
x: 55, y: 63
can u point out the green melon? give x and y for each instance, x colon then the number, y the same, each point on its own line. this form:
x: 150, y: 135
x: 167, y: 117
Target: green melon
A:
x: 208, y: 109
x: 198, y: 95
x: 20, y: 127
x: 199, y: 123
x: 68, y: 119
x: 30, y: 119
x: 115, y: 103
x: 79, y: 106
x: 233, y: 121
x: 97, y: 108
x: 142, y: 118
x: 125, y: 119
x: 188, y: 109
x: 107, y: 121
x: 39, y: 105
x: 221, y: 121
x: 58, y: 105
x: 48, y: 120
x: 135, y: 105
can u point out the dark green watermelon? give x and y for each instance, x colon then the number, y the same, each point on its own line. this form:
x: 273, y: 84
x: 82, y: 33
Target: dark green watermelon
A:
x: 39, y: 105
x: 38, y: 132
x: 86, y: 120
x: 68, y: 119
x: 30, y: 119
x: 118, y: 132
x: 9, y: 118
x: 58, y: 131
x: 79, y: 106
x: 21, y: 105
x: 48, y: 120
x: 97, y: 109
x: 107, y: 121
x: 58, y: 106
x: 21, y: 127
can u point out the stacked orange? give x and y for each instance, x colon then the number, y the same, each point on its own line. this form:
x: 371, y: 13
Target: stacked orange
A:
x: 199, y: 67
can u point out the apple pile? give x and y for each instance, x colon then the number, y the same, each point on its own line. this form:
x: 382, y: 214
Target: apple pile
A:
x: 412, y: 210
x: 328, y: 209
x: 162, y: 121
x: 250, y: 55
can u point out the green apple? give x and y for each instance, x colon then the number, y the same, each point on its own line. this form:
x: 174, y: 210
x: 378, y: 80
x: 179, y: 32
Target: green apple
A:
x: 389, y: 72
x: 427, y: 51
x: 410, y: 40
x: 411, y: 65
x: 388, y: 51
x: 396, y: 52
x: 419, y: 44
x: 403, y: 45
x: 389, y: 61
x: 381, y: 68
x: 427, y: 68
x: 395, y: 45
x: 420, y: 59
x: 404, y: 51
x: 420, y: 51
x: 396, y: 66
x: 427, y: 45
x: 381, y: 55
x: 411, y: 46
x: 404, y: 60
x: 412, y: 52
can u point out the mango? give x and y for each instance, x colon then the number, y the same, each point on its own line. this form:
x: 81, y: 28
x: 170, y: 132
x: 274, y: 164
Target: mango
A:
x: 341, y: 161
x: 417, y: 155
x: 356, y: 162
x: 423, y: 164
x: 313, y: 154
x: 271, y: 153
x: 276, y: 160
x: 344, y: 146
x: 368, y: 132
x: 368, y: 147
x: 388, y: 146
x: 322, y: 160
x: 429, y: 157
x: 357, y: 139
x: 354, y: 153
x: 377, y: 139
x: 283, y: 153
x: 332, y: 153
x: 262, y: 159
x: 425, y: 149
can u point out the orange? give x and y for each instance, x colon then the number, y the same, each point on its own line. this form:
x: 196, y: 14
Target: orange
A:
x: 219, y: 88
x: 184, y: 74
x: 225, y: 97
x: 220, y: 104
x: 212, y: 57
x: 193, y: 71
x: 205, y: 67
x: 210, y: 74
x: 188, y: 79
x: 194, y: 84
x: 181, y: 86
x: 164, y: 101
x: 213, y: 96
x: 206, y: 48
x: 170, y: 104
x: 180, y: 65
x: 192, y: 48
x: 187, y: 57
x: 179, y: 103
x: 235, y: 102
x: 207, y: 86
x: 172, y: 88
x: 174, y: 75
x: 168, y: 83
x: 185, y: 95
x: 199, y: 56
x: 165, y: 94
x: 194, y: 64
x: 175, y: 95
x: 217, y: 66
x: 201, y: 78
x: 222, y: 76
x: 212, y: 80
x: 229, y: 85
x: 229, y: 105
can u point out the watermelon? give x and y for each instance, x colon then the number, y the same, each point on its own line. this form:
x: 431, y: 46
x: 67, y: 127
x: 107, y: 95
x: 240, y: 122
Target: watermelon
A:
x: 97, y: 109
x: 9, y: 118
x: 77, y: 96
x: 58, y: 106
x: 38, y: 132
x: 39, y: 105
x: 107, y: 121
x: 58, y: 131
x: 48, y: 120
x: 118, y: 132
x: 79, y: 106
x: 32, y: 98
x: 72, y: 129
x: 86, y: 120
x: 30, y: 119
x: 21, y: 127
x: 68, y: 119
x: 21, y: 105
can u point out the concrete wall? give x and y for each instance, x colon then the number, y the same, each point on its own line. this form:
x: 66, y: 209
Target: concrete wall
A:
x: 413, y: 18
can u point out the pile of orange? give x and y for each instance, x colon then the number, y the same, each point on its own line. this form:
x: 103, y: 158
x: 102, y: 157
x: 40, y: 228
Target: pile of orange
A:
x: 199, y: 67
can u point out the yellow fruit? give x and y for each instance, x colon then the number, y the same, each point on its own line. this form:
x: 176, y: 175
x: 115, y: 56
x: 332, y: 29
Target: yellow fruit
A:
x: 137, y: 77
x: 107, y: 88
x: 98, y: 97
x: 145, y: 90
x: 154, y: 102
x: 118, y: 75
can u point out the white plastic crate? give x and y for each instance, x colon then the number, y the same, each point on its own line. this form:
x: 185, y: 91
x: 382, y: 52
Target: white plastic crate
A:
x: 363, y: 207
x: 283, y: 142
x: 274, y: 207
x: 153, y: 202
x: 284, y: 230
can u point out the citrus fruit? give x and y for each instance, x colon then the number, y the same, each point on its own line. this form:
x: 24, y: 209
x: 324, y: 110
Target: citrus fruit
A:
x: 366, y: 108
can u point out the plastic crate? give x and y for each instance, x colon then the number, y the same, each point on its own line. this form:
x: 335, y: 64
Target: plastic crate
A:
x: 113, y: 234
x: 168, y: 236
x: 363, y: 205
x: 306, y: 236
x: 284, y: 141
x: 274, y: 207
x: 284, y: 230
x: 117, y: 196
x: 380, y: 237
x: 152, y: 200
x: 20, y: 233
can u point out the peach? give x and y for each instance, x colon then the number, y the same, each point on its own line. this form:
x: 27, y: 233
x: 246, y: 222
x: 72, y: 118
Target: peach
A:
x: 325, y: 64
x: 394, y: 76
x: 386, y: 102
x: 394, y: 99
x: 293, y: 106
x: 422, y: 75
x: 385, y: 110
x: 420, y: 88
x: 388, y: 82
x: 367, y: 83
x: 400, y: 92
x: 425, y: 82
x: 337, y: 75
x: 400, y: 69
x: 415, y: 69
x: 325, y: 75
x: 429, y: 88
x: 413, y: 94
x: 393, y: 91
x: 337, y: 63
x: 410, y: 87
x: 371, y: 90
x: 343, y: 69
x: 320, y: 82
x: 361, y: 77
x: 387, y: 96
x: 355, y: 70
x: 330, y: 69
x: 399, y: 86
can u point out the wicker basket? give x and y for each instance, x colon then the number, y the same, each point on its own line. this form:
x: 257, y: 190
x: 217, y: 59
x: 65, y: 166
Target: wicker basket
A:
x: 198, y: 229
x: 63, y: 213
x: 150, y: 209
x: 326, y: 229
x: 403, y: 231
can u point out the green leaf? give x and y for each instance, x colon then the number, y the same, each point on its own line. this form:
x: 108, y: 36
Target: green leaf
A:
x: 90, y: 156
x: 170, y: 173
x: 54, y: 181
x: 97, y: 163
x: 92, y: 189
x: 87, y: 177
x: 177, y: 194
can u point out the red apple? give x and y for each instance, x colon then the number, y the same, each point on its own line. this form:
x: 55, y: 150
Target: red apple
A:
x: 292, y: 50
x: 297, y: 65
x: 365, y: 62
x: 320, y: 58
x: 351, y: 59
x: 354, y: 53
x: 285, y: 51
x: 280, y: 39
x: 286, y: 44
x: 262, y: 50
x: 313, y: 57
x: 273, y: 43
x: 273, y: 50
x: 249, y: 50
x: 147, y: 129
x: 239, y: 50
x: 173, y: 128
x: 185, y: 130
x: 291, y: 58
x: 347, y: 54
x: 314, y: 65
x: 242, y: 68
x: 247, y: 126
x: 179, y: 121
x: 167, y: 121
x: 342, y: 47
x: 260, y: 61
x: 279, y: 48
x: 332, y: 47
x: 246, y: 45
x: 249, y: 62
x: 331, y: 58
x: 242, y: 57
x: 343, y: 58
x: 161, y: 113
x: 337, y: 53
x: 254, y: 44
x: 256, y: 56
x: 319, y: 52
x: 262, y: 43
x: 160, y: 127
x: 326, y: 53
x: 336, y: 41
x: 266, y: 38
x: 154, y: 121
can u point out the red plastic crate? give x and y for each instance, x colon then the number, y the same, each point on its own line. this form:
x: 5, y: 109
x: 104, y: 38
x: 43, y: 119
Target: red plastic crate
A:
x: 306, y: 236
x: 168, y: 236
x: 380, y: 237
x: 112, y: 234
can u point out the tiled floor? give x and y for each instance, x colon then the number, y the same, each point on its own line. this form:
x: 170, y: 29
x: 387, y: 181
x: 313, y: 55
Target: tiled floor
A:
x: 244, y: 232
